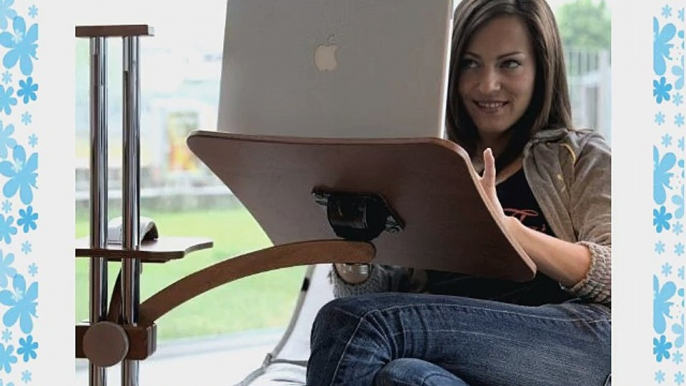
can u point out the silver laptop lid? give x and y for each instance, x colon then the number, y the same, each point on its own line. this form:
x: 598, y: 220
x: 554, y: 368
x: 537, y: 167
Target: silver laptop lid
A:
x: 335, y: 68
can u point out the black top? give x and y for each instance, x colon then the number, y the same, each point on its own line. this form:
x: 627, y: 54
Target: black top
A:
x: 517, y: 200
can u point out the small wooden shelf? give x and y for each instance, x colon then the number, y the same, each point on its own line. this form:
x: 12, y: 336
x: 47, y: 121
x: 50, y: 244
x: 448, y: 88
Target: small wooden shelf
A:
x: 153, y: 251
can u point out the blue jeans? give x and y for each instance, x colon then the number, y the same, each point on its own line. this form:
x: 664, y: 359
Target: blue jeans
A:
x: 389, y: 339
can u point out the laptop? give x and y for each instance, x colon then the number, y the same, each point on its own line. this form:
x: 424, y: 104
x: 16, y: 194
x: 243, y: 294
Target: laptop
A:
x: 335, y: 68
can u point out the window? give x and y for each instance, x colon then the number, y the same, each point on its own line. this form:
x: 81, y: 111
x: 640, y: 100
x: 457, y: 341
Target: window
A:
x: 179, y: 75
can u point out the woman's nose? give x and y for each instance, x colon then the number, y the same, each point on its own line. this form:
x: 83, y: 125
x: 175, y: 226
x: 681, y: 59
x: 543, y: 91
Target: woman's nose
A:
x: 489, y: 81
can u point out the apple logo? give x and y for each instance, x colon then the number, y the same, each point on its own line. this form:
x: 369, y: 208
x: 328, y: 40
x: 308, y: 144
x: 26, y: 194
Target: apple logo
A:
x: 325, y: 56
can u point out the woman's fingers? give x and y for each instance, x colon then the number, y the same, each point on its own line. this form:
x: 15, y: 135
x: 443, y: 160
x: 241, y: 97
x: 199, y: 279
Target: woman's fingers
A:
x: 488, y: 179
x: 489, y: 168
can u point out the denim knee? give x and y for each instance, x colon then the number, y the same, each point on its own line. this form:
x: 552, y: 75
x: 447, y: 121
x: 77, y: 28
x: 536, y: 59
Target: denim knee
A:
x: 352, y: 306
x: 339, y: 314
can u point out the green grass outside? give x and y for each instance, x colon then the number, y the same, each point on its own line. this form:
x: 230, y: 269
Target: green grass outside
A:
x: 262, y: 301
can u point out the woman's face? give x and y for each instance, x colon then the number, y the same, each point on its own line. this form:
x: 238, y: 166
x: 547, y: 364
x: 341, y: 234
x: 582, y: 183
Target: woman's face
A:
x: 497, y: 75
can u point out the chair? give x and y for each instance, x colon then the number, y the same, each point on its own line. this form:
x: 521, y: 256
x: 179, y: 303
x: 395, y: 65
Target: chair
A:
x: 287, y: 363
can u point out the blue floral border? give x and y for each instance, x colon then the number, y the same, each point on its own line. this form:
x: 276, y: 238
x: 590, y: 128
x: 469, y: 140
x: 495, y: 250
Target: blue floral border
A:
x: 19, y: 170
x: 668, y: 194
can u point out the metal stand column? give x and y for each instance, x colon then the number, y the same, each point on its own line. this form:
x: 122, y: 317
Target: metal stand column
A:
x: 98, y: 192
x: 130, y: 265
x: 131, y: 198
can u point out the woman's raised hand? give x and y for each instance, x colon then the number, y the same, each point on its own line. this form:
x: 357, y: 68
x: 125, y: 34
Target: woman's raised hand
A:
x: 487, y: 181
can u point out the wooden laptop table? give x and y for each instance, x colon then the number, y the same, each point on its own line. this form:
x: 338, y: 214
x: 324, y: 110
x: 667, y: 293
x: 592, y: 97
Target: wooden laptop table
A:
x: 440, y: 221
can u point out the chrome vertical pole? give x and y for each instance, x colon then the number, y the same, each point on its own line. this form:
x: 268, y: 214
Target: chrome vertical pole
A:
x: 131, y: 197
x: 97, y: 376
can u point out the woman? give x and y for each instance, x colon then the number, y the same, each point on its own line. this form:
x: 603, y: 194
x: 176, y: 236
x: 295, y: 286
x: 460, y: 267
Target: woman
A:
x: 508, y: 106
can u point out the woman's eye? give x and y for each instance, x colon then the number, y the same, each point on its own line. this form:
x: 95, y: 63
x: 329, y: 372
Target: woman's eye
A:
x: 511, y: 63
x: 468, y: 63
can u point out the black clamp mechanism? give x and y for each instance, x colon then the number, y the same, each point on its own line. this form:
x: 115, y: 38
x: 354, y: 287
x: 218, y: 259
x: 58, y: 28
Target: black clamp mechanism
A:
x: 358, y: 216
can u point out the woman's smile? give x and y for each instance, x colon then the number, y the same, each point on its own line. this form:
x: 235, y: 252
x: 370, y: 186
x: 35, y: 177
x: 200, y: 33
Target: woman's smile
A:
x: 490, y: 107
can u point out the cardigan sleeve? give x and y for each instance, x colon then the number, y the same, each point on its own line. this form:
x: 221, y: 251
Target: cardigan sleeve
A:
x: 382, y: 278
x: 590, y: 211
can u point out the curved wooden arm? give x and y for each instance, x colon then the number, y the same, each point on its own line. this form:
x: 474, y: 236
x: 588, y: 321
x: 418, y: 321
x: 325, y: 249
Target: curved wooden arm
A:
x: 282, y: 256
x: 114, y: 312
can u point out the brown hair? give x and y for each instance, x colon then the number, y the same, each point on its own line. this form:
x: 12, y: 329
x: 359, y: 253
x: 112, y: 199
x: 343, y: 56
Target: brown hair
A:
x: 549, y: 106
